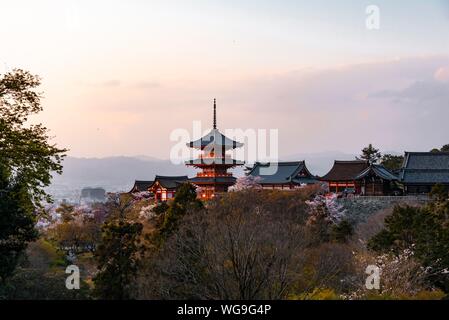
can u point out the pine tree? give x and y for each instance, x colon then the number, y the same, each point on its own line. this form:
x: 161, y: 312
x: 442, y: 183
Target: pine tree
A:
x: 371, y: 154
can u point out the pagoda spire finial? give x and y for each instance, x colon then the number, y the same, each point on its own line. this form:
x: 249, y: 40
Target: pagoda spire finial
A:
x: 215, y: 113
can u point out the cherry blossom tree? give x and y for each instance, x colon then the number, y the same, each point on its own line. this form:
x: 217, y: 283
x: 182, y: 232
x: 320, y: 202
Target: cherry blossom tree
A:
x: 245, y: 183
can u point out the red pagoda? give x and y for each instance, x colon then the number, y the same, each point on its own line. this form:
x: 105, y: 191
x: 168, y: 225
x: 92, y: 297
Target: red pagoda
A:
x: 214, y: 162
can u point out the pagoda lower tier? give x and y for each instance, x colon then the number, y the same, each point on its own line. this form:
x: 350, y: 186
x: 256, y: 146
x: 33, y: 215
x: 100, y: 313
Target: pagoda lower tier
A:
x: 213, y: 178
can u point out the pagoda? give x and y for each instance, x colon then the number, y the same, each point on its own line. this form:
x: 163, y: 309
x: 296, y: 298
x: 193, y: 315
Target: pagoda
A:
x: 214, y: 162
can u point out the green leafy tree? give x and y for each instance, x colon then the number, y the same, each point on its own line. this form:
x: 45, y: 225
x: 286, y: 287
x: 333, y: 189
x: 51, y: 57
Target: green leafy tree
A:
x: 119, y: 251
x: 17, y: 222
x: 66, y: 211
x: 25, y: 148
x: 342, y: 231
x: 185, y: 201
x: 118, y: 257
x: 370, y: 154
x: 392, y: 162
x: 439, y: 193
x: 444, y: 148
x: 27, y: 160
x: 424, y: 231
x: 161, y: 208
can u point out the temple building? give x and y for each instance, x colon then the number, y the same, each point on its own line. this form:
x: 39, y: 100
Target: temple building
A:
x: 287, y: 175
x: 422, y: 170
x: 164, y: 187
x: 342, y: 176
x: 359, y: 177
x: 214, y: 162
x: 376, y: 180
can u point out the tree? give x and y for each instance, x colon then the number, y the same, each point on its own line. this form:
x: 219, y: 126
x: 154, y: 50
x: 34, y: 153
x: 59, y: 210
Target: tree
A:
x: 342, y: 231
x: 118, y: 256
x: 444, y: 148
x: 439, y: 193
x: 242, y: 247
x: 185, y: 201
x: 246, y: 182
x: 79, y: 234
x: 422, y: 230
x: 392, y: 162
x: 370, y: 154
x: 16, y: 221
x: 119, y: 251
x: 325, y: 215
x: 27, y: 160
x: 66, y: 211
x: 25, y: 149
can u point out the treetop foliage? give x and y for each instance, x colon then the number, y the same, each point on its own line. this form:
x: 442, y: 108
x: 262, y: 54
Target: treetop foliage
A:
x: 371, y: 154
x: 25, y: 148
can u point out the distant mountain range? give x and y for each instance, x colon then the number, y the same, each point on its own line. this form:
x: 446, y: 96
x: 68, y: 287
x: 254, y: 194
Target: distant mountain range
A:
x: 119, y: 173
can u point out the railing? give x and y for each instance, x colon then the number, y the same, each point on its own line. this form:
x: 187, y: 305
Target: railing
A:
x: 216, y: 175
x: 423, y: 198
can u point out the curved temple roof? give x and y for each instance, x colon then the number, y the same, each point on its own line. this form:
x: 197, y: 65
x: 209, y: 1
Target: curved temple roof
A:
x: 170, y: 182
x: 140, y: 185
x: 379, y: 171
x: 285, y: 172
x: 345, y: 170
x: 214, y: 140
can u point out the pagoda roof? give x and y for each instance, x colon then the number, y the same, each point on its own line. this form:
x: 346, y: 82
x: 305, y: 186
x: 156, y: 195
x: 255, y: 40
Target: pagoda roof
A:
x: 346, y: 170
x: 287, y: 172
x: 213, y: 180
x: 212, y: 161
x: 215, y: 140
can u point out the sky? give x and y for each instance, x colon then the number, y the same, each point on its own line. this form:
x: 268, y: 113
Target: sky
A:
x: 119, y: 76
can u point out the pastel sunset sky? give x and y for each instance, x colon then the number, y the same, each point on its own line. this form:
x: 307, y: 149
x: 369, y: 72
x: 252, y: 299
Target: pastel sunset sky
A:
x: 119, y: 76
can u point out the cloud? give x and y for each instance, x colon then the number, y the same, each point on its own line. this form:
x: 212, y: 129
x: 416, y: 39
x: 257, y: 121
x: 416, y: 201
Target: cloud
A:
x: 419, y: 92
x: 353, y: 87
x: 397, y: 105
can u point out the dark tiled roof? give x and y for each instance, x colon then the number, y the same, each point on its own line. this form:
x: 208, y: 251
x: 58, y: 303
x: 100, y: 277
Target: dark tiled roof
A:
x: 210, y: 161
x: 345, y: 170
x: 140, y: 185
x: 230, y: 180
x: 285, y: 172
x: 425, y: 168
x: 378, y: 170
x: 425, y: 176
x: 426, y: 160
x: 215, y: 140
x: 169, y: 182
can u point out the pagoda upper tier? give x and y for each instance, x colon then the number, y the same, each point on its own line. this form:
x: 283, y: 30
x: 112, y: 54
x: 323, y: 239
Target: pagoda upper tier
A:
x: 214, y: 140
